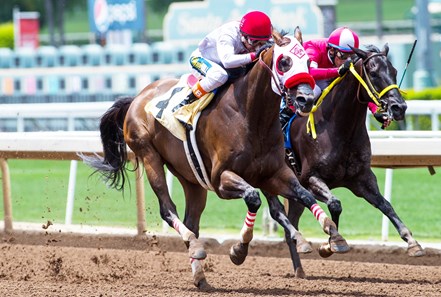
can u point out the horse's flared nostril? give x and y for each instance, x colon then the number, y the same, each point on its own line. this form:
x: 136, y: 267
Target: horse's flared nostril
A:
x: 398, y: 110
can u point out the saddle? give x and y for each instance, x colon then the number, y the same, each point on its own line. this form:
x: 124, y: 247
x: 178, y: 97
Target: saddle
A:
x: 162, y: 107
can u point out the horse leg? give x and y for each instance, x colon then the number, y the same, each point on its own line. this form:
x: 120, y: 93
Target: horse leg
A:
x: 322, y: 192
x: 233, y: 186
x: 195, y: 201
x: 278, y: 214
x: 368, y: 189
x: 156, y: 176
x: 319, y: 188
x: 290, y: 188
x: 295, y: 210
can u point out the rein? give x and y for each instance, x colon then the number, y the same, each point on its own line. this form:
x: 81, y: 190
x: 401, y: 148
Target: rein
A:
x: 370, y: 90
x: 279, y: 85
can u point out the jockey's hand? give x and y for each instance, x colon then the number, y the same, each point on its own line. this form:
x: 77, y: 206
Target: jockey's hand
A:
x: 263, y: 48
x: 344, y: 67
x: 383, y: 118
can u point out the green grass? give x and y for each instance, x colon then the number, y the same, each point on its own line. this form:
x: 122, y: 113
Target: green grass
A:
x: 39, y: 190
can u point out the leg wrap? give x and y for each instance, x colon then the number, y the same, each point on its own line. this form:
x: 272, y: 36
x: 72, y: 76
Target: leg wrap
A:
x: 182, y: 229
x: 319, y: 213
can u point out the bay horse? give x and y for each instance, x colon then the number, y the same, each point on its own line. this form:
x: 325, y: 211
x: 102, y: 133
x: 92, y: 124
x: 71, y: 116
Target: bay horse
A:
x: 340, y: 155
x: 238, y: 136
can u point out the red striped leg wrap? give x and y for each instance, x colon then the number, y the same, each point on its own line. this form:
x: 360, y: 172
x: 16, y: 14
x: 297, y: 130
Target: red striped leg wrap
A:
x: 182, y: 230
x: 247, y: 230
x: 250, y: 218
x: 318, y: 212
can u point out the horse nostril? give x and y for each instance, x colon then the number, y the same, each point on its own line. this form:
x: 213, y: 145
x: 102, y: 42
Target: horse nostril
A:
x: 398, y: 110
x: 301, y: 100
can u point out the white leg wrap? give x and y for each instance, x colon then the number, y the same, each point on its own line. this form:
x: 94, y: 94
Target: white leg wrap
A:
x: 182, y: 229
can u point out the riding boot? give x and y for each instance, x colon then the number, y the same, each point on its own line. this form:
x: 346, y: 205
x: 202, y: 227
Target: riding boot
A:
x: 290, y: 158
x: 284, y: 116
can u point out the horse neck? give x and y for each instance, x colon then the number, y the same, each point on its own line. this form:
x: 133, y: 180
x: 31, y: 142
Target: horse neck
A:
x: 345, y: 107
x: 260, y: 103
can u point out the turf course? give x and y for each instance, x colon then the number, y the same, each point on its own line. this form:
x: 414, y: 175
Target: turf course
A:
x: 39, y: 190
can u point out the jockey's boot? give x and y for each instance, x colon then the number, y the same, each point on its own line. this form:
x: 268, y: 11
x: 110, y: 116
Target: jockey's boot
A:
x: 196, y: 93
x: 284, y: 117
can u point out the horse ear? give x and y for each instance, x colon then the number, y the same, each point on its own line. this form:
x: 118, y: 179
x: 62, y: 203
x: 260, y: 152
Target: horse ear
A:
x: 385, y: 50
x: 360, y: 53
x: 298, y: 34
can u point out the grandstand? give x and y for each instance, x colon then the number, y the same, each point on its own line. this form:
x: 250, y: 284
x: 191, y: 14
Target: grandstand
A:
x: 86, y: 73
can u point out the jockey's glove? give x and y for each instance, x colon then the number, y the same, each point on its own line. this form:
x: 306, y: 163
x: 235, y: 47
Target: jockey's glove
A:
x: 344, y: 67
x: 261, y: 49
x: 382, y: 118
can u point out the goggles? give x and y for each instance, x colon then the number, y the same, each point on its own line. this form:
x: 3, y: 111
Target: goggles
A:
x: 255, y: 42
x: 342, y: 55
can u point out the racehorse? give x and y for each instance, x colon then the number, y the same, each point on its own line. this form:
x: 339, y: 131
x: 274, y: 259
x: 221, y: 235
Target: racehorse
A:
x: 239, y: 140
x: 340, y: 155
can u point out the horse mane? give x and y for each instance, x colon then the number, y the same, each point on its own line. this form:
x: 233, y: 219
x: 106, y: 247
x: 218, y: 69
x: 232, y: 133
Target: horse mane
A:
x: 372, y: 48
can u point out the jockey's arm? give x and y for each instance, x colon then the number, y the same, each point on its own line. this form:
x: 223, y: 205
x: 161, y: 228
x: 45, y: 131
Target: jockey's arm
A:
x: 227, y: 55
x: 322, y: 73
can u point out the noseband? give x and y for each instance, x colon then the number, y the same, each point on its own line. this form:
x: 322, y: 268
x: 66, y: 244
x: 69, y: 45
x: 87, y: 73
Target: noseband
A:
x: 369, y: 87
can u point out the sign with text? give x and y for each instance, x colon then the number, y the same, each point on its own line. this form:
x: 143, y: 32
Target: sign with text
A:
x: 112, y: 15
x: 193, y: 20
x: 26, y: 29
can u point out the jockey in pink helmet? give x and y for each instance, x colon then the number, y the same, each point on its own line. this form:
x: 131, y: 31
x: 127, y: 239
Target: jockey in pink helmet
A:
x: 228, y: 49
x: 330, y: 58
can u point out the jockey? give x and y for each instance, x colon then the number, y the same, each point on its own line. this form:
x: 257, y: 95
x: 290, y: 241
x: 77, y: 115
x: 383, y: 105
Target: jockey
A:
x: 330, y: 58
x: 228, y: 48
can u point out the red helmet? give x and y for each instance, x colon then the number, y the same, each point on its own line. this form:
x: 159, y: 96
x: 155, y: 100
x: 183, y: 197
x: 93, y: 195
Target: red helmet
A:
x: 341, y: 38
x: 256, y: 25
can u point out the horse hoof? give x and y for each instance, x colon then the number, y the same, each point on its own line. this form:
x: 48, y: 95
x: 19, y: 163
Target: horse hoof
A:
x: 196, y: 250
x: 300, y: 273
x: 238, y: 253
x: 338, y: 244
x: 203, y: 285
x: 304, y: 248
x: 415, y: 250
x: 325, y: 250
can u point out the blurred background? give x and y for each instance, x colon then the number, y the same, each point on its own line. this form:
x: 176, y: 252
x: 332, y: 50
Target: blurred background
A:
x: 67, y: 35
x: 64, y: 62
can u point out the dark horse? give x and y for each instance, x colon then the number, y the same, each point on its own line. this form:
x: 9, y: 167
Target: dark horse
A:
x: 239, y: 139
x: 340, y: 156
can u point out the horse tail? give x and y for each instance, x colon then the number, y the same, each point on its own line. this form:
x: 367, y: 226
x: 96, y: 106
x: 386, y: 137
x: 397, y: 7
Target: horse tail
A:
x: 112, y: 165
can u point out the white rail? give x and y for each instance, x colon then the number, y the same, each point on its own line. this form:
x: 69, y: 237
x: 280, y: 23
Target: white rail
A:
x: 391, y: 149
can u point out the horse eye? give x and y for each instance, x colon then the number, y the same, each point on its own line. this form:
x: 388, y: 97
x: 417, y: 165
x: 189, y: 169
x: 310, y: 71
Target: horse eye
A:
x: 284, y: 64
x: 373, y: 74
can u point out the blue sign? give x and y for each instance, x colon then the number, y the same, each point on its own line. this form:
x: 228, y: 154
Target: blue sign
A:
x: 193, y: 20
x: 111, y: 15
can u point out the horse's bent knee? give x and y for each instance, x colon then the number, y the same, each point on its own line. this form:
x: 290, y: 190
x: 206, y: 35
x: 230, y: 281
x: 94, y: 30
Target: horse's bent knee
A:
x: 252, y: 199
x: 334, y: 206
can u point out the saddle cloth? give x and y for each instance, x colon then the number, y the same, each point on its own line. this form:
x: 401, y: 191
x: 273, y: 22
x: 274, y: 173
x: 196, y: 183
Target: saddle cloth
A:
x: 161, y: 107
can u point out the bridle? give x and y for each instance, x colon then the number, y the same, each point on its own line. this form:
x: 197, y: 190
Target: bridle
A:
x: 376, y: 97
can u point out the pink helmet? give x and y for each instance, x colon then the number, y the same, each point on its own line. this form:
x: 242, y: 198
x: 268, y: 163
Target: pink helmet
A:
x: 341, y: 38
x: 256, y: 25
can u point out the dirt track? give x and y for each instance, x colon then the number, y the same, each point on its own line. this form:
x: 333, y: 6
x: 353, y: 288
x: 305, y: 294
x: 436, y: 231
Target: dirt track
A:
x: 36, y: 264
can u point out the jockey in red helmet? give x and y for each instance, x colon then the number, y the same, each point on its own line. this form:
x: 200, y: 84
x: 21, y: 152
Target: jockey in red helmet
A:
x: 228, y: 48
x: 330, y: 58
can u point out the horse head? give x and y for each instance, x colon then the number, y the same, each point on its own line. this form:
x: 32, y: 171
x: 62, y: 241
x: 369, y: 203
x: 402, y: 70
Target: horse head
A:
x: 381, y: 78
x: 291, y: 77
